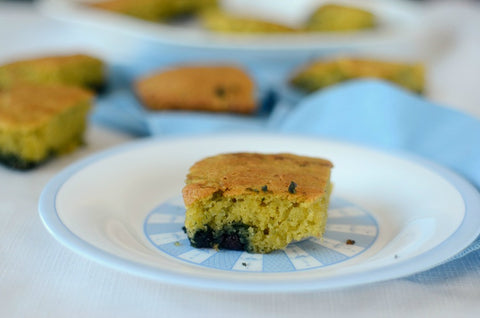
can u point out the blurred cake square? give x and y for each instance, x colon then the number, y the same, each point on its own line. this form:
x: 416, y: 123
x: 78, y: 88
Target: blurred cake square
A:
x: 40, y: 121
x: 76, y: 70
x: 323, y: 73
x: 198, y: 88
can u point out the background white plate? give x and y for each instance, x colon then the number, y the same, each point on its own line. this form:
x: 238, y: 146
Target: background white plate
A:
x: 398, y: 20
x: 98, y: 207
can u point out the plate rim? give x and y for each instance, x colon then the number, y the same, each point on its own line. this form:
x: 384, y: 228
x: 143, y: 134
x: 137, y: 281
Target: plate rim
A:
x: 466, y: 232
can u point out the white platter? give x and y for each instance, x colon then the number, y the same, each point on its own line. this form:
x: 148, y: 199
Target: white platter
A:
x: 406, y: 215
x: 399, y: 20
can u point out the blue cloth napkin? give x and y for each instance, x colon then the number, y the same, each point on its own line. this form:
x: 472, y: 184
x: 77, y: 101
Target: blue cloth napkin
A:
x: 384, y: 116
x: 119, y: 108
x: 367, y: 112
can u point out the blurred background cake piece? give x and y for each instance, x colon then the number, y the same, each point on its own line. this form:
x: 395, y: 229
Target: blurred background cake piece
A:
x: 41, y: 121
x: 154, y: 10
x: 335, y: 17
x: 78, y: 70
x: 198, y: 88
x: 323, y: 73
x: 222, y: 21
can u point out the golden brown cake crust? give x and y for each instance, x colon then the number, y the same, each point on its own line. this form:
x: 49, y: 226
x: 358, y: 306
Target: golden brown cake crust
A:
x: 27, y: 105
x: 299, y: 178
x: 200, y: 88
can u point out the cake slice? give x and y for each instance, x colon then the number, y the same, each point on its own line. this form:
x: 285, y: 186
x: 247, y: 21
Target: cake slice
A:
x: 37, y: 122
x: 335, y: 18
x: 256, y: 202
x: 198, y: 88
x: 78, y: 70
x: 323, y: 73
x: 218, y: 20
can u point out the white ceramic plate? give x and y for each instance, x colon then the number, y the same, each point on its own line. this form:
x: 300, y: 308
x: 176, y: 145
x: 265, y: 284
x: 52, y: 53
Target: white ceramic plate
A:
x: 122, y: 208
x: 399, y: 20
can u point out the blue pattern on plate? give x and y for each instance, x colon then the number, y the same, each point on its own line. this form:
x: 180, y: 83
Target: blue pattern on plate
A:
x: 163, y: 228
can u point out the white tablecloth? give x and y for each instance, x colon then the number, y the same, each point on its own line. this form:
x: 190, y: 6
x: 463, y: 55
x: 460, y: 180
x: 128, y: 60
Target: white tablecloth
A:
x: 41, y: 278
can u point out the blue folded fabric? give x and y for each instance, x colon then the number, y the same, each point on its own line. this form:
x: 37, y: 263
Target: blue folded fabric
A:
x: 121, y: 110
x: 381, y: 115
x: 384, y: 116
x: 367, y: 112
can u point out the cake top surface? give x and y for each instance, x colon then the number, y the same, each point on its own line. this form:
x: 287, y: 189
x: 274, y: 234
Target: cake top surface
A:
x: 199, y: 76
x: 289, y: 176
x: 29, y: 105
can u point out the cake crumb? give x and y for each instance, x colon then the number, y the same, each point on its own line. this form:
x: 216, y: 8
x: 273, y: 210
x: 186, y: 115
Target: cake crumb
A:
x: 350, y: 242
